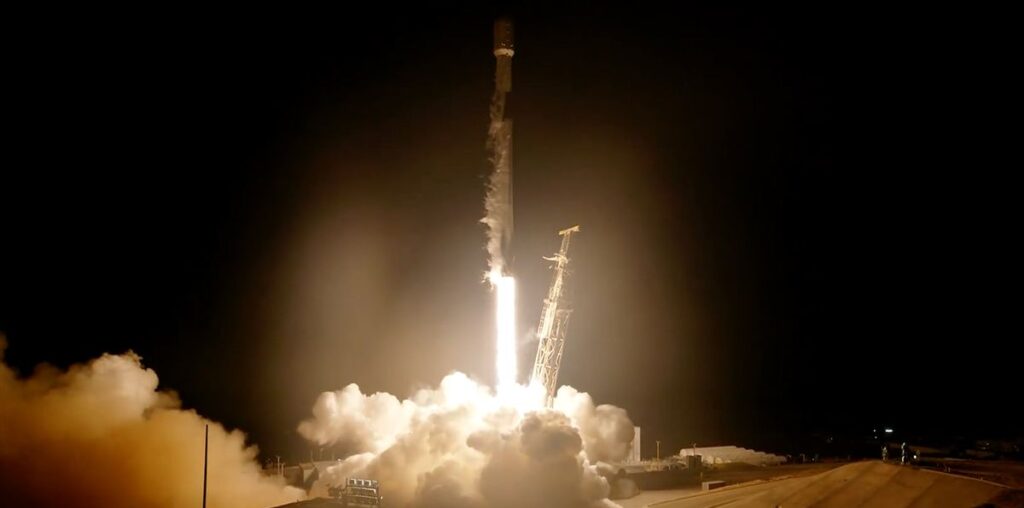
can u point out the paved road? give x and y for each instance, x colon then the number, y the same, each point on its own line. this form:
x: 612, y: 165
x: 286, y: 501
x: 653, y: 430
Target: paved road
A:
x: 858, y: 484
x: 731, y: 476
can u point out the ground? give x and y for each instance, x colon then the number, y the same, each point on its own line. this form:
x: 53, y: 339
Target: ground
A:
x: 870, y: 483
x: 732, y: 474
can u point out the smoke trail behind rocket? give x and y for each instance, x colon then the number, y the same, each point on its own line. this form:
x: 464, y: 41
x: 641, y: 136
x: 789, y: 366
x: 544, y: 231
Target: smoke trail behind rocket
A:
x: 499, y: 218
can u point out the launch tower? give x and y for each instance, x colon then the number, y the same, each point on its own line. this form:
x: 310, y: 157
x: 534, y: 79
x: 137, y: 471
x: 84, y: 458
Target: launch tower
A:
x: 554, y: 322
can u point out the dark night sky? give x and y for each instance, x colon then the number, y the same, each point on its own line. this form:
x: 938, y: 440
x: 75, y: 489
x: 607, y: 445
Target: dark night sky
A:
x: 791, y: 221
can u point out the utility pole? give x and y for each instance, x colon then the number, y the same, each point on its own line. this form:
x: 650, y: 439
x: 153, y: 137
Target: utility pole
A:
x: 658, y: 451
x: 206, y: 460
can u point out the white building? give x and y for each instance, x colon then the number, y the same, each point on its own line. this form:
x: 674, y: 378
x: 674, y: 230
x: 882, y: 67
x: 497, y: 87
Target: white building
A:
x: 728, y: 454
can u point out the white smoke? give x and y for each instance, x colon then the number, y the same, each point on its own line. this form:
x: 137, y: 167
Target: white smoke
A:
x: 498, y: 202
x: 460, y: 445
x: 101, y: 434
x: 606, y: 430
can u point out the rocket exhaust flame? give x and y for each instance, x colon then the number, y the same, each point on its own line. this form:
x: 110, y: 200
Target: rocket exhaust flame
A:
x: 505, y: 319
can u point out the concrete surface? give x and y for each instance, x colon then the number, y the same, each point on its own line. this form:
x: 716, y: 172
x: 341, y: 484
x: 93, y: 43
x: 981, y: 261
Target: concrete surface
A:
x: 644, y: 499
x: 858, y: 484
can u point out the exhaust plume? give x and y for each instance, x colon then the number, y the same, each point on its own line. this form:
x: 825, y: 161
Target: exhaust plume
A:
x: 102, y: 434
x: 460, y: 445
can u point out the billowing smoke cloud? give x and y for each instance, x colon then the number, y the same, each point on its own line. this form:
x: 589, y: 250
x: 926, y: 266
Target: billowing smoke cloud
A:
x: 606, y: 430
x: 460, y: 446
x: 101, y: 434
x: 498, y: 202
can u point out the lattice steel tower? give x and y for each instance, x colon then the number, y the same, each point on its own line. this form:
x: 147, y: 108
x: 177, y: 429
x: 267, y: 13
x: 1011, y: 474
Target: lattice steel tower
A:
x: 554, y: 321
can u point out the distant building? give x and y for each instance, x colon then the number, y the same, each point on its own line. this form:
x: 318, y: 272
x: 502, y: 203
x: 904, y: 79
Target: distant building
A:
x: 733, y: 454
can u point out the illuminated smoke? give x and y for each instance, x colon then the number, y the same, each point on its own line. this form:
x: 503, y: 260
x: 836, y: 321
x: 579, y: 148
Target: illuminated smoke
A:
x: 461, y: 445
x: 498, y: 202
x: 607, y: 431
x: 101, y: 434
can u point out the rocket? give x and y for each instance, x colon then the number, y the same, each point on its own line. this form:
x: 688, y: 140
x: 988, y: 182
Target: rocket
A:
x: 501, y: 129
x: 503, y: 52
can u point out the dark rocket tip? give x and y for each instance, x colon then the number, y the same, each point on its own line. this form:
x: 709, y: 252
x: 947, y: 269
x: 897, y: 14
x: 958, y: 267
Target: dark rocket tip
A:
x: 503, y: 33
